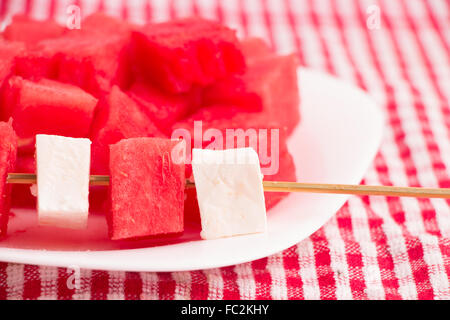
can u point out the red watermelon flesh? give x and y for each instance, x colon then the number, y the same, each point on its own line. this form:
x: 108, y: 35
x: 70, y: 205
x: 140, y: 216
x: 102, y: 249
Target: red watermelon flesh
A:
x: 118, y: 117
x: 8, y: 154
x: 275, y: 79
x: 40, y: 59
x: 254, y: 49
x: 222, y: 117
x: 234, y: 89
x: 164, y: 108
x: 31, y: 31
x: 286, y: 172
x: 93, y: 57
x: 270, y: 84
x: 50, y: 107
x: 7, y: 96
x: 191, y: 209
x: 8, y: 51
x: 107, y: 53
x: 21, y: 194
x: 102, y: 23
x: 37, y: 63
x: 147, y: 189
x: 226, y: 117
x: 179, y: 54
x: 92, y: 61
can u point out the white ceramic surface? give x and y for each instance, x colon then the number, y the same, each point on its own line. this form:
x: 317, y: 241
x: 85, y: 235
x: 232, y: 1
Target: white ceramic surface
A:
x: 339, y: 134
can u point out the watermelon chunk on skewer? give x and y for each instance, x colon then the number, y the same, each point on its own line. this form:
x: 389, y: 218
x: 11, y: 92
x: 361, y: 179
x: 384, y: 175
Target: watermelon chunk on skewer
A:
x: 8, y: 154
x: 147, y: 188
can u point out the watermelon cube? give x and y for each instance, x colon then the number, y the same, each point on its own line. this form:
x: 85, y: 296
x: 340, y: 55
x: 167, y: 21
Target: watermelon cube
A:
x: 36, y: 63
x: 101, y: 23
x: 21, y: 195
x: 230, y: 192
x: 6, y: 100
x: 92, y: 61
x: 50, y: 107
x: 181, y: 53
x: 29, y: 31
x: 8, y: 154
x: 254, y: 49
x: 147, y: 188
x: 63, y: 181
x: 249, y: 129
x: 286, y: 172
x: 237, y: 89
x: 225, y: 117
x: 118, y: 117
x: 232, y: 90
x: 191, y: 208
x: 100, y: 27
x: 8, y: 51
x: 270, y: 84
x: 163, y: 108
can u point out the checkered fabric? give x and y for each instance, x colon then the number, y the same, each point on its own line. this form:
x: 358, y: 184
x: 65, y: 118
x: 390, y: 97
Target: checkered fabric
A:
x: 374, y: 247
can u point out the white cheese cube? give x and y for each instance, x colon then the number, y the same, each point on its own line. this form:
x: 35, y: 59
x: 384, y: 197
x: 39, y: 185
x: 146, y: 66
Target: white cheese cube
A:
x: 229, y: 192
x: 63, y: 166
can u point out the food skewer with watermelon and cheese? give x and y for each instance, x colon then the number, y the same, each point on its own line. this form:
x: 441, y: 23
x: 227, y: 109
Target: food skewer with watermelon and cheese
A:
x: 147, y: 183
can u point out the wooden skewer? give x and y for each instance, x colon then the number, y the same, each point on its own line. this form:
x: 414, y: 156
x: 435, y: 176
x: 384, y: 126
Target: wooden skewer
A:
x: 278, y: 186
x: 30, y: 178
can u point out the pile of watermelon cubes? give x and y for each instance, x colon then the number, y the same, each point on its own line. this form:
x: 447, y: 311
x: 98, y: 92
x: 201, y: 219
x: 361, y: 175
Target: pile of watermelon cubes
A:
x: 111, y: 80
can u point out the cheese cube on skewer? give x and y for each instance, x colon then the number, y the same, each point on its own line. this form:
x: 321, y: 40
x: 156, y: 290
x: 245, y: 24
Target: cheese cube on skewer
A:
x: 229, y: 191
x: 63, y: 166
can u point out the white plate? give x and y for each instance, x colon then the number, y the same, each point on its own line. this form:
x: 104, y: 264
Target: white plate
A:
x: 340, y: 132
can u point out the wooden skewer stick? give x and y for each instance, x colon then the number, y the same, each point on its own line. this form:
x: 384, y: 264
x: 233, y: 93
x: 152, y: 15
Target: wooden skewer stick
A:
x: 30, y: 178
x: 278, y: 186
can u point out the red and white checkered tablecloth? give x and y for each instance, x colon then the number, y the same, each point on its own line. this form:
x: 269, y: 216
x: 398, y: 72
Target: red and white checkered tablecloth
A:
x: 375, y: 247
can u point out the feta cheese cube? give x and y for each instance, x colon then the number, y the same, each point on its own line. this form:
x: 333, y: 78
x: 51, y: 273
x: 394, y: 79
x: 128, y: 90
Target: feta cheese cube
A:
x: 63, y: 166
x: 229, y: 192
